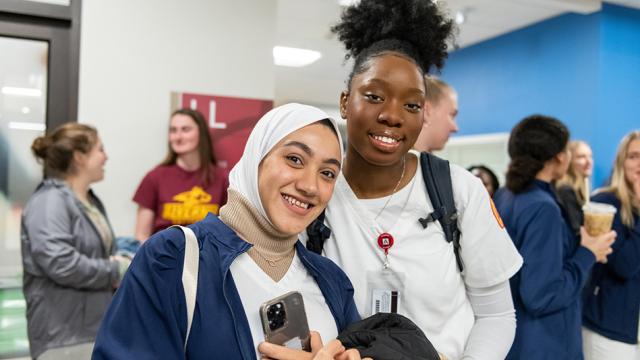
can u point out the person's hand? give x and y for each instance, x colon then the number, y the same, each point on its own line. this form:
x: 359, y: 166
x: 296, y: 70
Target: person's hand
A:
x: 600, y: 245
x: 332, y: 351
x: 123, y: 264
x: 442, y: 356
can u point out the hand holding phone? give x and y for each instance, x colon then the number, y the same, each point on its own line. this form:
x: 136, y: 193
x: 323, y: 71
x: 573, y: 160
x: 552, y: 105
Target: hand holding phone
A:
x: 333, y: 350
x: 284, y: 321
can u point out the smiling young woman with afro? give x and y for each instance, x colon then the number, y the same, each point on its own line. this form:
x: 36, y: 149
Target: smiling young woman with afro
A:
x: 380, y: 195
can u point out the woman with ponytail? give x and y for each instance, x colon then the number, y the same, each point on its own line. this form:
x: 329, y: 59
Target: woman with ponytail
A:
x: 547, y: 289
x: 70, y: 271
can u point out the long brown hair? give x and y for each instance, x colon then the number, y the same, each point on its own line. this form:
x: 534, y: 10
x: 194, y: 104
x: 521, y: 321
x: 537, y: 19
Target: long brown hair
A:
x: 205, y: 147
x: 55, y: 150
x: 573, y: 179
x: 619, y: 184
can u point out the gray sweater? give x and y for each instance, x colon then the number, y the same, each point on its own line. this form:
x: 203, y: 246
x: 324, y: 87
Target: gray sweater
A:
x: 68, y: 278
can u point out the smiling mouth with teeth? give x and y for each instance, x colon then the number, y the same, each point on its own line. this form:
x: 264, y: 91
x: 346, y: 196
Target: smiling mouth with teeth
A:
x: 385, y: 139
x: 297, y: 203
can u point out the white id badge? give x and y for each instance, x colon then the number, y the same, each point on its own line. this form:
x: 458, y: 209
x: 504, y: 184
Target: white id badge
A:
x: 385, y: 289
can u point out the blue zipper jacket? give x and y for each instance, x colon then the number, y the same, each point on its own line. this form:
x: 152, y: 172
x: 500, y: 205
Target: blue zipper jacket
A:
x: 547, y: 289
x: 612, y: 295
x: 148, y: 319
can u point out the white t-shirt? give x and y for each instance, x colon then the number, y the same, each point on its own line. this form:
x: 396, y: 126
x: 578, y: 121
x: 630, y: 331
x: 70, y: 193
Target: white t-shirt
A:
x: 255, y: 287
x: 434, y: 292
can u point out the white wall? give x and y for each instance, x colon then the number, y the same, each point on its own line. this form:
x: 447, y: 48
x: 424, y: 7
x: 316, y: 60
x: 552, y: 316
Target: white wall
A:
x: 135, y: 53
x: 489, y: 150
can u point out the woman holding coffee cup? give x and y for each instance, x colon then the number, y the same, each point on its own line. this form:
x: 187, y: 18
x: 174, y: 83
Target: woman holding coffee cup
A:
x: 612, y: 296
x: 546, y: 291
x: 573, y: 189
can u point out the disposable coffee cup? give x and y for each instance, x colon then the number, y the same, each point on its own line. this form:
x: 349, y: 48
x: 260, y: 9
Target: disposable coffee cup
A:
x: 598, y: 217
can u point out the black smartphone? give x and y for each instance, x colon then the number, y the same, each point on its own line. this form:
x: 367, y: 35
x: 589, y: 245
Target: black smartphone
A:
x: 284, y: 321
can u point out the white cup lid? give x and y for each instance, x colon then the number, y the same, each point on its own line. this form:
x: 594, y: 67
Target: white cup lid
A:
x: 600, y: 208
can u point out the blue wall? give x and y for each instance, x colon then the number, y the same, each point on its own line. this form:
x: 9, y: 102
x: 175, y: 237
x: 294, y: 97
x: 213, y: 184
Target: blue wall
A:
x: 582, y: 69
x: 619, y: 95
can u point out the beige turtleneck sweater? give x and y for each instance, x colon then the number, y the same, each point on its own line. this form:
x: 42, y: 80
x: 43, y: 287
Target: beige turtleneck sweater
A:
x: 272, y: 250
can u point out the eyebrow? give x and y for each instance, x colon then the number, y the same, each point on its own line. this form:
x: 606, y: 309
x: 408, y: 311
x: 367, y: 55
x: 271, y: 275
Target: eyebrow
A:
x: 304, y: 147
x: 386, y: 83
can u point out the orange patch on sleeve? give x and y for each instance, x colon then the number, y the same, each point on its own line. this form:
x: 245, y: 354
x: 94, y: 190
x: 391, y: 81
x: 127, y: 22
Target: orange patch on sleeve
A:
x: 496, y: 214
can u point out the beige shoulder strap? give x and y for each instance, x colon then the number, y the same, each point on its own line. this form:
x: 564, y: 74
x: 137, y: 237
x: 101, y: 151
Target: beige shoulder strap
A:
x: 190, y: 275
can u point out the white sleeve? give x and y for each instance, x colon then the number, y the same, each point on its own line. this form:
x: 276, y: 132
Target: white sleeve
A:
x: 495, y: 322
x: 489, y: 256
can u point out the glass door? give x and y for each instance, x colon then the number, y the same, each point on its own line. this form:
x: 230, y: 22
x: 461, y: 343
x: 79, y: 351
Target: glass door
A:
x: 23, y: 101
x: 39, y: 61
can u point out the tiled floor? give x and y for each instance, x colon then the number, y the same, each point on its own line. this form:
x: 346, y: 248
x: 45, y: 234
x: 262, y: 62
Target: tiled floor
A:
x: 13, y: 323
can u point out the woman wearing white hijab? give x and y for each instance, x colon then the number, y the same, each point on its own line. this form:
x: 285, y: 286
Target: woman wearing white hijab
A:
x: 248, y: 255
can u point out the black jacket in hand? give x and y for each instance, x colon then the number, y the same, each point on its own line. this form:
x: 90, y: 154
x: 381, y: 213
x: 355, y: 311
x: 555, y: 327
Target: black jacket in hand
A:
x: 388, y: 337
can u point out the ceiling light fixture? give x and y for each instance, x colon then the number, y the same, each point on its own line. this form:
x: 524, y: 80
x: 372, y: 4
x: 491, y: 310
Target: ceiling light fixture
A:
x: 294, y: 57
x: 18, y: 91
x: 19, y: 125
x: 348, y: 2
x: 461, y: 17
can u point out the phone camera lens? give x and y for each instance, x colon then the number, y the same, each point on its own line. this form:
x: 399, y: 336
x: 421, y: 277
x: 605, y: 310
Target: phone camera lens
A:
x: 276, y: 316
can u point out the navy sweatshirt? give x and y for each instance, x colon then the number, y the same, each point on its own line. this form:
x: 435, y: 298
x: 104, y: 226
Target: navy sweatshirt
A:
x: 547, y: 289
x: 612, y: 295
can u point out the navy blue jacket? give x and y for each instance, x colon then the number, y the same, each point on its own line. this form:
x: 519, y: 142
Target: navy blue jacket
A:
x: 547, y: 289
x: 612, y: 295
x: 148, y: 319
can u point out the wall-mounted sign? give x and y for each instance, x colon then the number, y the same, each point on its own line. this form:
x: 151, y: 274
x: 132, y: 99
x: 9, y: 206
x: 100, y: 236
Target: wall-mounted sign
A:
x: 231, y: 119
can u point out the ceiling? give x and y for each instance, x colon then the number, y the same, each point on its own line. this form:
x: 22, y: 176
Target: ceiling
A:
x: 306, y: 23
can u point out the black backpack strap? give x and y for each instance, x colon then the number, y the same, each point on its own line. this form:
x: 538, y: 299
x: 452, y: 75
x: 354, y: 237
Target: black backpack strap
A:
x: 437, y: 177
x: 318, y: 233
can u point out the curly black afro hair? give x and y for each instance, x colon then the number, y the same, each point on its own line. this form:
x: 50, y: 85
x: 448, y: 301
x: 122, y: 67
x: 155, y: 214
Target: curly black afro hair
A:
x: 415, y: 28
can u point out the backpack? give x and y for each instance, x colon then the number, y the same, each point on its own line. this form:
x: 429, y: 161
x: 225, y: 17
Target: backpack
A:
x: 437, y: 177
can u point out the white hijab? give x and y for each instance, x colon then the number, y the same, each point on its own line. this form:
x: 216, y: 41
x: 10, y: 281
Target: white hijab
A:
x: 269, y: 130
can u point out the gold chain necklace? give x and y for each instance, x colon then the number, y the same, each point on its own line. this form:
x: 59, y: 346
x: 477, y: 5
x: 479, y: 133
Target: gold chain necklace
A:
x: 395, y: 188
x: 273, y: 262
x: 385, y: 240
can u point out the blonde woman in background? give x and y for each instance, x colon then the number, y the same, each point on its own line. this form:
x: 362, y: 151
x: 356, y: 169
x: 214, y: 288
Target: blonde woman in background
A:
x: 612, y: 295
x: 572, y: 189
